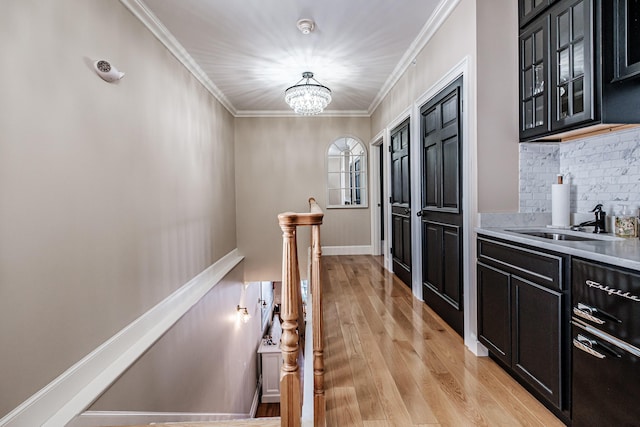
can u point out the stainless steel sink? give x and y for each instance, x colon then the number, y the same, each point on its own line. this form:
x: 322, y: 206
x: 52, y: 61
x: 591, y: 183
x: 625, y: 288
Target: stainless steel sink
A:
x: 553, y: 235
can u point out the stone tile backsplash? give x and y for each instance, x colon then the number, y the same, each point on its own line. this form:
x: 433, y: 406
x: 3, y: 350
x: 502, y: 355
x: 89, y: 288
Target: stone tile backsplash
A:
x: 601, y: 169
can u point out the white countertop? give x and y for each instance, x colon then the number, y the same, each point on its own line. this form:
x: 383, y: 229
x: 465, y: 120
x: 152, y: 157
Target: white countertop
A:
x: 622, y: 252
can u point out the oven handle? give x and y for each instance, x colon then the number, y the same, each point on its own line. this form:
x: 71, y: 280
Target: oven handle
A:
x: 586, y: 312
x: 589, y: 312
x: 587, y: 345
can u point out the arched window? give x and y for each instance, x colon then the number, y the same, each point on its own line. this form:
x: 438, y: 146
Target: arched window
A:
x: 347, y: 174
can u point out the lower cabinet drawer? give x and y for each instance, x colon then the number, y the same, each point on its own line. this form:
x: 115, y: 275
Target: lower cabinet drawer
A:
x: 543, y: 268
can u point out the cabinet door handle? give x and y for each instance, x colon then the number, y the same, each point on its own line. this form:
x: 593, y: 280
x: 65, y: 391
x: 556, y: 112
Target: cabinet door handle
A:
x: 585, y: 344
x: 586, y: 312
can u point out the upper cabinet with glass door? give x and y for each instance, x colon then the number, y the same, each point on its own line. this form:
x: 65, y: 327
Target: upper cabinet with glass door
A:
x: 529, y: 9
x: 568, y: 56
x: 347, y: 174
x: 571, y: 35
x: 627, y: 38
x: 534, y: 78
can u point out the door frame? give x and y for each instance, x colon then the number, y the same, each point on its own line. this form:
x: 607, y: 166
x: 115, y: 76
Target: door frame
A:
x: 377, y: 248
x: 388, y: 259
x: 469, y: 192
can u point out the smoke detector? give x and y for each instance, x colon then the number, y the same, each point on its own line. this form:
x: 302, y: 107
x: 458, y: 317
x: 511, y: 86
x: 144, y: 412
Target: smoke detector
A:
x: 306, y: 26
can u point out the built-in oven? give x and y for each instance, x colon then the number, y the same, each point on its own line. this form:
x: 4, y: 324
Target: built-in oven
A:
x: 606, y: 345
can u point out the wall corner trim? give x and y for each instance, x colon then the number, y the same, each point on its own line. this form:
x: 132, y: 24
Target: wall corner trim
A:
x: 157, y: 28
x: 73, y: 391
x: 440, y: 15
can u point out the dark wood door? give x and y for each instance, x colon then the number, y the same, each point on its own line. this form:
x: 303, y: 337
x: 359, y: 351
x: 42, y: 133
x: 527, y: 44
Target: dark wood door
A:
x: 442, y: 205
x: 401, y: 203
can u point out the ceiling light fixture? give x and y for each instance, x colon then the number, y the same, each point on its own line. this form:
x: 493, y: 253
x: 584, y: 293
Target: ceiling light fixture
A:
x: 308, y: 98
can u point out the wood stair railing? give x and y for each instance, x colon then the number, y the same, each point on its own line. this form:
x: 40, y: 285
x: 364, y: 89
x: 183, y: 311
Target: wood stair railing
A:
x: 293, y: 326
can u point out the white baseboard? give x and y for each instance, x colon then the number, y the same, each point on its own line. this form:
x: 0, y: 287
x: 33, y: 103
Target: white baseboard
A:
x: 125, y: 418
x: 347, y: 250
x: 256, y: 398
x: 128, y: 418
x: 71, y: 393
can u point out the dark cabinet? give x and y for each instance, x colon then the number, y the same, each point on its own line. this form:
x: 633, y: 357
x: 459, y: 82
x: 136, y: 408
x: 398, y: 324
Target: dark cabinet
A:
x: 627, y: 38
x: 536, y: 332
x: 494, y: 311
x: 534, y: 79
x: 529, y: 9
x: 575, y: 60
x: 572, y: 79
x: 523, y: 313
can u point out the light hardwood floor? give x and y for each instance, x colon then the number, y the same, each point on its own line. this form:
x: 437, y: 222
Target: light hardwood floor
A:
x: 391, y: 361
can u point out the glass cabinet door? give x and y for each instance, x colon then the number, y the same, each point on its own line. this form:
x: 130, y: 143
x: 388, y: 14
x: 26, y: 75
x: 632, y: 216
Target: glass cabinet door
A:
x: 627, y: 38
x: 529, y: 9
x: 534, y: 72
x: 571, y: 75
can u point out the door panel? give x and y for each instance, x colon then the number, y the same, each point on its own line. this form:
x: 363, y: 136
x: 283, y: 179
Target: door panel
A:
x: 431, y: 189
x: 450, y: 173
x: 401, y: 203
x: 442, y: 205
x: 451, y: 251
x: 432, y: 269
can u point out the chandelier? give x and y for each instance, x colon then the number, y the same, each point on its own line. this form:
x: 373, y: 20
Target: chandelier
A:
x: 308, y: 98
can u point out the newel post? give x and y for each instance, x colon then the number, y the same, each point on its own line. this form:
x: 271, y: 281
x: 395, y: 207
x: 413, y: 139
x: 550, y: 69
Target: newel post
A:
x: 290, y: 390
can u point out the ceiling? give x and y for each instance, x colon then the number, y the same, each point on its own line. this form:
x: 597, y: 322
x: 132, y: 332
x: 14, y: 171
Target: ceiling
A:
x: 248, y: 52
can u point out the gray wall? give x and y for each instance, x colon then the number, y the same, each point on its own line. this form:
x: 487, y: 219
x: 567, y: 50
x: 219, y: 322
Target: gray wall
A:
x: 280, y: 163
x: 112, y: 196
x: 199, y: 366
x: 497, y: 108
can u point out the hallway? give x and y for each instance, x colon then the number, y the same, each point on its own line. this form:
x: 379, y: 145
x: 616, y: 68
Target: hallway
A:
x: 390, y: 361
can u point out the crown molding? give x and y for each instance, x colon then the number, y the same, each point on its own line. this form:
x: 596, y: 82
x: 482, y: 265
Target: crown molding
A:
x: 153, y: 24
x: 289, y: 113
x: 442, y: 12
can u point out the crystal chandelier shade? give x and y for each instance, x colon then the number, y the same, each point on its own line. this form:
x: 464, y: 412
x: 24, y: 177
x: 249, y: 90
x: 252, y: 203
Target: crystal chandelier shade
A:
x: 308, y: 98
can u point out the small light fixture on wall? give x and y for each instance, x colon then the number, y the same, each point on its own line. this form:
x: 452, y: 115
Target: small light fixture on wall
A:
x: 243, y: 314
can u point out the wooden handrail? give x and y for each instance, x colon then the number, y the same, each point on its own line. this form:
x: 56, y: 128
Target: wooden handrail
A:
x: 291, y: 313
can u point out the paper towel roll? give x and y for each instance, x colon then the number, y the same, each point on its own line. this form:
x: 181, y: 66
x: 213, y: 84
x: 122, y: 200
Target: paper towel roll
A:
x: 560, y: 215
